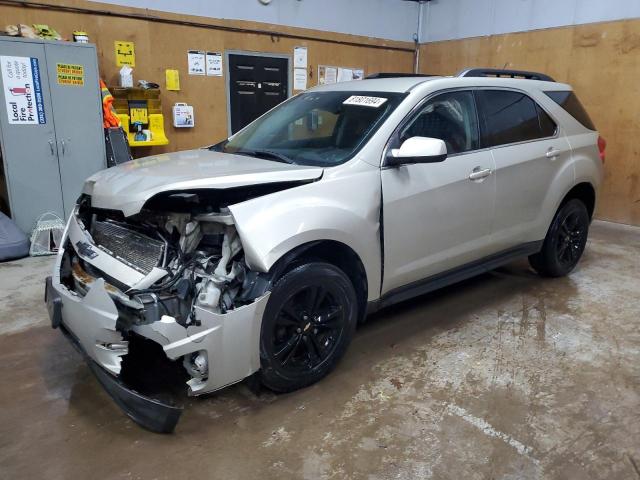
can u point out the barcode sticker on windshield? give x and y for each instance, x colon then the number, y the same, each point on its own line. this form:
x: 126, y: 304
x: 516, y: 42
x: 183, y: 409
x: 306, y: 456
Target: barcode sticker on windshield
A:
x: 374, y: 102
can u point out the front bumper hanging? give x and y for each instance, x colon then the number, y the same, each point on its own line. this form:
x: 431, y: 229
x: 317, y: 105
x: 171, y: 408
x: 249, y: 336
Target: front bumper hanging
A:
x: 228, y: 343
x: 149, y: 413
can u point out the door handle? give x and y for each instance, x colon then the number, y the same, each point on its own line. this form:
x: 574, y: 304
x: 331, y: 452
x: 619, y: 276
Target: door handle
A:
x: 552, y: 153
x: 479, y: 173
x: 51, y: 147
x: 64, y: 146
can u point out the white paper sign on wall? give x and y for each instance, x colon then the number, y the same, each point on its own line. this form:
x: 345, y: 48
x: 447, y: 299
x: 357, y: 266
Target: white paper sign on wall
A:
x: 196, y: 62
x: 299, y: 78
x: 22, y: 90
x: 345, y: 74
x: 214, y: 64
x: 300, y: 57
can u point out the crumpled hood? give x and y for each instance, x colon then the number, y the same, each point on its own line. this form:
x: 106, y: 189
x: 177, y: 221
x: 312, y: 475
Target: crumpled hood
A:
x: 128, y: 186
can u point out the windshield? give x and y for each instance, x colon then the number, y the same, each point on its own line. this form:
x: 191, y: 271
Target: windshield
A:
x: 315, y: 128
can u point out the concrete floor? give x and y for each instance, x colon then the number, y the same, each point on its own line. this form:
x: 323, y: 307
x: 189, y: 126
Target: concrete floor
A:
x: 507, y: 376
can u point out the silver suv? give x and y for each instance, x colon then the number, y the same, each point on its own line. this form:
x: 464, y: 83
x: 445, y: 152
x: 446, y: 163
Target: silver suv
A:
x: 259, y: 255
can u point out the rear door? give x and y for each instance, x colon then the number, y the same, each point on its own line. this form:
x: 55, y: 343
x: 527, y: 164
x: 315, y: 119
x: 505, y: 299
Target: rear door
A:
x: 437, y: 216
x: 530, y: 151
x: 256, y: 85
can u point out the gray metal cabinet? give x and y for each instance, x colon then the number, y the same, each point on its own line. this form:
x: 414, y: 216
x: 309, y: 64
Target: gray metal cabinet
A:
x: 50, y: 125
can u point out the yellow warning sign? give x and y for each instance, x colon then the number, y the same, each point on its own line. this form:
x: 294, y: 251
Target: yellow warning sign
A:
x: 139, y: 115
x: 69, y: 74
x: 173, y: 79
x: 125, y: 54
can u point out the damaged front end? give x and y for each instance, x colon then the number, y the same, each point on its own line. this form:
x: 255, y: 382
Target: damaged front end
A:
x: 172, y: 277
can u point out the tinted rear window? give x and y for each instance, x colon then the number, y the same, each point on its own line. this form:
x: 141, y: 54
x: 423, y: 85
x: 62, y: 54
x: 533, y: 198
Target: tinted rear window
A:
x: 511, y: 117
x: 569, y: 101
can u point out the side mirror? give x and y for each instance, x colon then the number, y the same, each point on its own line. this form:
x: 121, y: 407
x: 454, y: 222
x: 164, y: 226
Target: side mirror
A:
x: 418, y: 150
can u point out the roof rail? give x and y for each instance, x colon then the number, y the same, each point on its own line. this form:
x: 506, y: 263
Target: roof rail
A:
x: 396, y: 75
x: 499, y: 72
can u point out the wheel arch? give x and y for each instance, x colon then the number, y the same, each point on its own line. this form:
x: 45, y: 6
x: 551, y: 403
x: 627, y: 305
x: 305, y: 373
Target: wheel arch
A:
x: 585, y: 192
x: 330, y: 251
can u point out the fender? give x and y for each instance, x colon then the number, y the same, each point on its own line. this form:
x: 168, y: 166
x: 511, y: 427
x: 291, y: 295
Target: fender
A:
x: 561, y: 183
x: 343, y: 209
x: 586, y: 160
x: 586, y: 168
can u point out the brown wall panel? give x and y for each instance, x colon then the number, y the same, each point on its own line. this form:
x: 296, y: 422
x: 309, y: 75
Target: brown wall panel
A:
x: 602, y: 63
x: 160, y: 45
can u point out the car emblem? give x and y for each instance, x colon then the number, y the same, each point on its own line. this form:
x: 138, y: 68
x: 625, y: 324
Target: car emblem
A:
x: 85, y: 249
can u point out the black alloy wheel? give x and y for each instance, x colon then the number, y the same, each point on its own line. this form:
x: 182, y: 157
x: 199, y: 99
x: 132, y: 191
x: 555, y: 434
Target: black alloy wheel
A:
x: 308, y: 328
x: 565, y: 241
x: 571, y: 240
x: 308, y: 323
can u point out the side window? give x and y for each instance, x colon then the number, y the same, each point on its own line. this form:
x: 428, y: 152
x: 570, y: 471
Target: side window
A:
x: 511, y: 117
x: 547, y: 125
x: 569, y: 101
x: 450, y: 117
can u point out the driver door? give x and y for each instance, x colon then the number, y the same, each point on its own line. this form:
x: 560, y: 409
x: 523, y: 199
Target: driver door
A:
x: 438, y: 216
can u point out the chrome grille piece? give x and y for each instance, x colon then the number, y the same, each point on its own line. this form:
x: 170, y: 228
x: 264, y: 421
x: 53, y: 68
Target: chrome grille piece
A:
x: 135, y: 249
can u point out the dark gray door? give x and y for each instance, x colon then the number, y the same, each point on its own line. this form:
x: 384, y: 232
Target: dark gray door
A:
x: 29, y: 148
x: 256, y: 85
x: 77, y: 113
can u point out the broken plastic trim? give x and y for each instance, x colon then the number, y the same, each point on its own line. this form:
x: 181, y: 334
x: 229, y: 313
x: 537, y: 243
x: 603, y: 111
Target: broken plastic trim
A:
x: 231, y: 342
x: 147, y: 412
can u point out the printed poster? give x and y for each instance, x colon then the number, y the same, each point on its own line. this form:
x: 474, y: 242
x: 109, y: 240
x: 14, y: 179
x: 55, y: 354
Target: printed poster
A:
x: 125, y: 54
x: 299, y: 78
x: 214, y: 64
x: 327, y: 74
x: 300, y: 57
x: 69, y: 74
x: 345, y: 74
x: 331, y: 75
x: 22, y: 90
x: 196, y: 62
x: 322, y: 72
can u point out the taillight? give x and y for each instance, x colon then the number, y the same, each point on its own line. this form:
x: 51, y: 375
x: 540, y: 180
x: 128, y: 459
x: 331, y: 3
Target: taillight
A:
x: 602, y: 145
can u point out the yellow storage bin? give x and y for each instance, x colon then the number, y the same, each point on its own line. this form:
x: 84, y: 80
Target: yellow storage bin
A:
x: 156, y: 127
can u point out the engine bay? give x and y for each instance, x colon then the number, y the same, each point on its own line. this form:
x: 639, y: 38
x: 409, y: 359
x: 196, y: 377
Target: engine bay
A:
x: 192, y: 256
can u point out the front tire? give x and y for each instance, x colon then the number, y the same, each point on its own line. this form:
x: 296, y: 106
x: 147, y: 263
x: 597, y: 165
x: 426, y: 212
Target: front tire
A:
x: 565, y: 241
x: 307, y: 326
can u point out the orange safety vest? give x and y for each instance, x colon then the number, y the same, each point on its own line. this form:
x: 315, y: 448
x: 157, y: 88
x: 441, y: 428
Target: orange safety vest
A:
x: 110, y: 119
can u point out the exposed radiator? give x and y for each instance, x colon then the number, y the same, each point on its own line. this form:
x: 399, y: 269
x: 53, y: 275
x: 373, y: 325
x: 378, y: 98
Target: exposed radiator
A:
x: 135, y: 249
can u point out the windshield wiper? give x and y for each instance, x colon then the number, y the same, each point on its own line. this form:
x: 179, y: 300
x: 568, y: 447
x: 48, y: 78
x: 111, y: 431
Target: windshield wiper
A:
x: 266, y: 154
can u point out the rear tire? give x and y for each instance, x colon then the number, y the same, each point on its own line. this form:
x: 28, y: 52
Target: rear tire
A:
x: 565, y: 241
x: 307, y: 326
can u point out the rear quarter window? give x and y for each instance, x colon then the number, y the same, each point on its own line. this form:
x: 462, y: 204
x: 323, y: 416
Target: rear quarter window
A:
x: 511, y: 117
x: 569, y: 101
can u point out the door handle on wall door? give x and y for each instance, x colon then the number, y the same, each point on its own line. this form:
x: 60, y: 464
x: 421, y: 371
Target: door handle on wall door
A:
x: 51, y: 147
x: 552, y: 153
x: 479, y: 173
x: 64, y: 146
